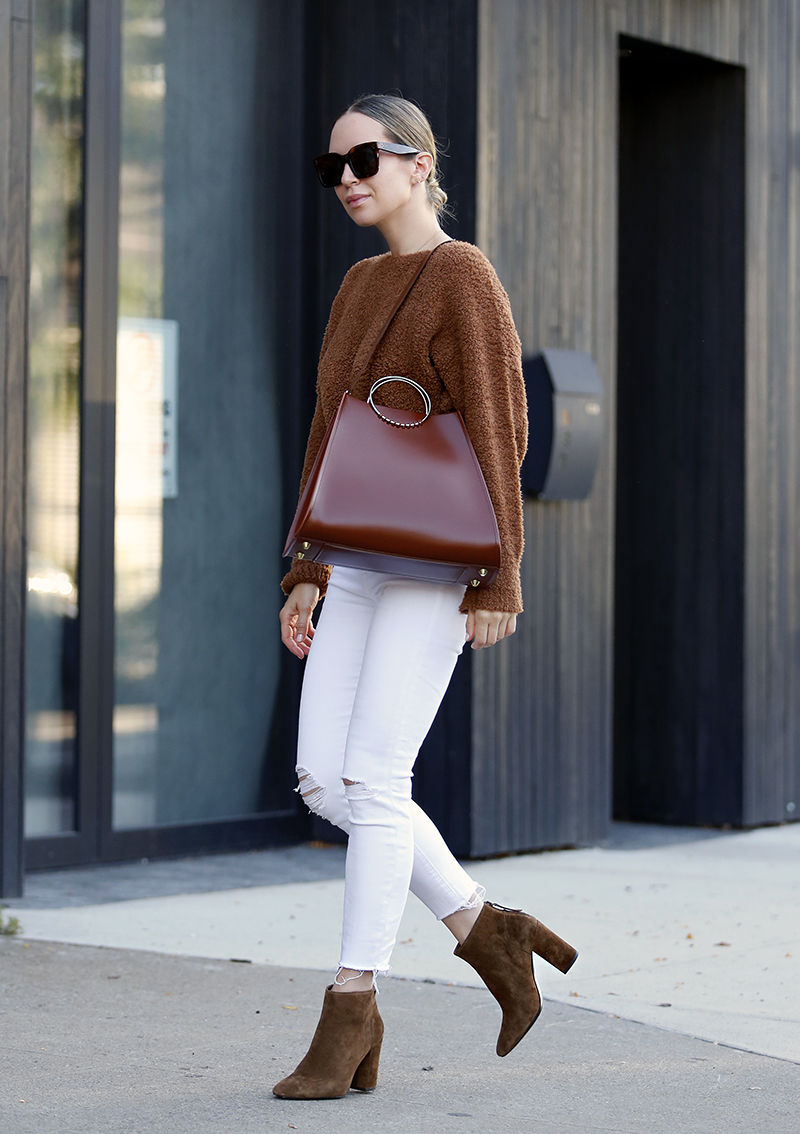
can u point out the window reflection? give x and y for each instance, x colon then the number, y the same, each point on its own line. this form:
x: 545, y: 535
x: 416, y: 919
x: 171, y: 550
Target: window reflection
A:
x: 54, y: 415
x: 197, y: 540
x: 141, y: 356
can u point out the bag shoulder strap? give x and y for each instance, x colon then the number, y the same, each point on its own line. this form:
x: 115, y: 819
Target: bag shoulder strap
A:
x: 375, y: 342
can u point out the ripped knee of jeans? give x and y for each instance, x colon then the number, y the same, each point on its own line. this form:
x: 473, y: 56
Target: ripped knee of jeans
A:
x: 357, y: 789
x: 313, y: 793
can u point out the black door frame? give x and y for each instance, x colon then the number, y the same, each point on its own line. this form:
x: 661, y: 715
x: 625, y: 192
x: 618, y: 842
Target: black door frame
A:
x: 98, y: 349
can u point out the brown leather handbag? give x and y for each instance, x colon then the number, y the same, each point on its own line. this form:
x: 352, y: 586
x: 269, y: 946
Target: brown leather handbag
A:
x: 398, y: 492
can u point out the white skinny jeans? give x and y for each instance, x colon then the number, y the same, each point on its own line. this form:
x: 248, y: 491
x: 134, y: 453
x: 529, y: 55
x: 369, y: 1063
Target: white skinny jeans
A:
x: 381, y: 660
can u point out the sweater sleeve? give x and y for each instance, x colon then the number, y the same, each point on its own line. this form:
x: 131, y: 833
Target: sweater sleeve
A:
x: 301, y: 571
x: 477, y: 354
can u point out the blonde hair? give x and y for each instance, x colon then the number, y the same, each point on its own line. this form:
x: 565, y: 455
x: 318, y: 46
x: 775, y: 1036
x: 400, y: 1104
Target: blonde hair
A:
x: 406, y: 125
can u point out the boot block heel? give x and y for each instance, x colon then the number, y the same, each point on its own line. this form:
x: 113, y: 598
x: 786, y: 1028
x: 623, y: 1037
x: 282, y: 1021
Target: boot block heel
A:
x: 366, y: 1076
x: 552, y: 948
x: 499, y: 948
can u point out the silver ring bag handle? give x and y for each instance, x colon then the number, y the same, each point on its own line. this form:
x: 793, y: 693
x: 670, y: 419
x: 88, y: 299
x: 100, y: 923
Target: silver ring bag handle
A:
x: 423, y: 393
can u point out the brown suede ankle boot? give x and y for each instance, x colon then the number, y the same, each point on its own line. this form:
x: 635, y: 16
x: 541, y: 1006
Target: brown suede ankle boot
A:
x: 499, y: 948
x: 344, y: 1052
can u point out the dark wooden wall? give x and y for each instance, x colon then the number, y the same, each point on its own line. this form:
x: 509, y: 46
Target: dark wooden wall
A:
x: 428, y: 53
x: 546, y: 157
x: 770, y: 46
x: 15, y: 112
x: 425, y: 52
x: 547, y: 218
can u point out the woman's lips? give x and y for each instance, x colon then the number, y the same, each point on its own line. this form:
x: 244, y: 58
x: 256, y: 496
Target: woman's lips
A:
x: 356, y: 200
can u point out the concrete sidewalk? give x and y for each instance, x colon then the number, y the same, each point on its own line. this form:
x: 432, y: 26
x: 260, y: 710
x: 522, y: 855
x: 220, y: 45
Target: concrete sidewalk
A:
x: 125, y: 1042
x: 697, y: 935
x: 689, y: 933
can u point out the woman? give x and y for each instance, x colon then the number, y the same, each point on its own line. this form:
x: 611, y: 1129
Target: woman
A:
x: 385, y: 647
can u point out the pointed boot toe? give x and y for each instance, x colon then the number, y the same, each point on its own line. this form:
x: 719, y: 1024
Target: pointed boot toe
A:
x: 500, y: 947
x: 344, y: 1052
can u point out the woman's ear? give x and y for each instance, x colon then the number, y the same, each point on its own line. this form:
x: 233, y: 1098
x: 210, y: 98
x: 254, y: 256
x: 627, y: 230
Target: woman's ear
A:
x: 423, y: 164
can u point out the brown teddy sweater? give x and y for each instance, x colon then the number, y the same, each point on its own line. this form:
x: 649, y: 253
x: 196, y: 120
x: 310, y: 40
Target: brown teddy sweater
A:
x: 455, y: 335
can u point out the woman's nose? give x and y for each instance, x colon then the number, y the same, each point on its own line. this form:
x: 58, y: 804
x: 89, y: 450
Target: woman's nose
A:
x: 348, y: 177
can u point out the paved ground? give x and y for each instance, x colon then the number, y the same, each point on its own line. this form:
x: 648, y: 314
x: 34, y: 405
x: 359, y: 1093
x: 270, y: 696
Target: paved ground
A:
x: 139, y: 1019
x: 132, y: 1043
x: 691, y: 931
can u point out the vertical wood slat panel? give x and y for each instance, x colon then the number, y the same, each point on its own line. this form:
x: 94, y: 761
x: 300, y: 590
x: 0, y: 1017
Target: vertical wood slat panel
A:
x: 15, y: 105
x: 764, y: 459
x: 760, y: 454
x: 547, y: 96
x: 551, y: 272
x: 791, y: 775
x: 5, y: 128
x: 772, y: 661
x: 756, y: 438
x: 775, y: 714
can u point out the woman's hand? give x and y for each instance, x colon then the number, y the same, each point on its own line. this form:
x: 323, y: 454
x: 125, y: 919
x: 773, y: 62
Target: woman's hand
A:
x: 297, y: 630
x: 487, y: 627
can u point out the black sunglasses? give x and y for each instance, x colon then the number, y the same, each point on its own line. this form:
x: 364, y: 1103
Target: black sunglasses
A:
x: 362, y: 159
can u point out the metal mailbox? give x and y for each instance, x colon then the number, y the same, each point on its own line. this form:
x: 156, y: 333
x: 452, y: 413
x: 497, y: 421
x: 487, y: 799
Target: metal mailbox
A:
x: 565, y: 415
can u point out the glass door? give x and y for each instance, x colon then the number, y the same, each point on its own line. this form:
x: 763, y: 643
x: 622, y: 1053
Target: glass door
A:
x: 198, y: 470
x: 54, y: 419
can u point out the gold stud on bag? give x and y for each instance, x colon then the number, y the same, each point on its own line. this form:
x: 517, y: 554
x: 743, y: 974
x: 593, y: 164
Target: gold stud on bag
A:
x: 398, y: 492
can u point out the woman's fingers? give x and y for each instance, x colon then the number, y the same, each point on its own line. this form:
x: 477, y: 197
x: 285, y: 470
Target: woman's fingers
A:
x: 297, y: 629
x: 489, y: 627
x: 485, y: 629
x: 288, y: 624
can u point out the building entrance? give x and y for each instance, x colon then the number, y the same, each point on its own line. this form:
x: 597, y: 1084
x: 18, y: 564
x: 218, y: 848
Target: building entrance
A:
x: 679, y: 630
x: 154, y: 669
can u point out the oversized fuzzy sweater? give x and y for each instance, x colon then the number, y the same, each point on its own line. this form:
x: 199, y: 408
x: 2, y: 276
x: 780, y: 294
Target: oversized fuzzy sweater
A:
x: 455, y: 335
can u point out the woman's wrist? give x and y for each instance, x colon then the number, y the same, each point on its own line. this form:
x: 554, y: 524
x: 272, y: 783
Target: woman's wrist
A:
x: 314, y: 573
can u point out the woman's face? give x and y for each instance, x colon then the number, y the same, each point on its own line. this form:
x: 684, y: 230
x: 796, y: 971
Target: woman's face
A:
x: 373, y: 200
